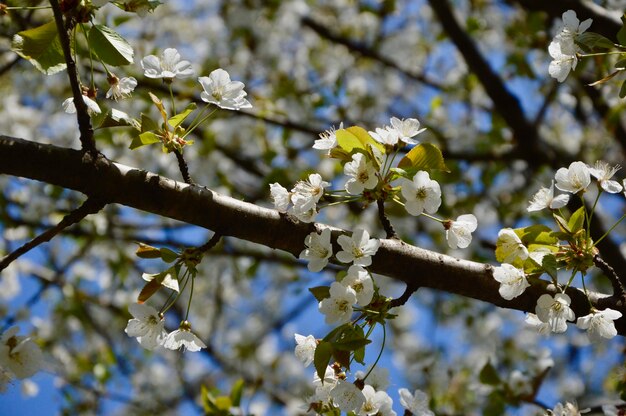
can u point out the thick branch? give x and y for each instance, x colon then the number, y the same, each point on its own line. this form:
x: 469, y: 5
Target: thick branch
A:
x: 117, y: 183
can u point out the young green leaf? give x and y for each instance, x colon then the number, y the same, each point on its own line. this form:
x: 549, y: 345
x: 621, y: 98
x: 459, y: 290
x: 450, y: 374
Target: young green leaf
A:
x: 424, y: 156
x: 168, y: 255
x: 112, y: 48
x: 236, y: 392
x: 323, y: 354
x: 41, y: 46
x: 489, y: 375
x: 144, y: 139
x: 148, y: 290
x: 577, y: 220
x: 146, y: 251
x: 354, y: 138
x: 176, y: 120
x: 147, y: 124
x: 593, y: 41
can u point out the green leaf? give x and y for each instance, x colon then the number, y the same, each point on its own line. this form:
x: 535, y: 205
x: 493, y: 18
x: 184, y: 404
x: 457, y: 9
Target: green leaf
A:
x: 577, y: 220
x: 320, y: 292
x: 176, y: 120
x: 147, y: 124
x: 359, y: 355
x: 144, y: 139
x: 560, y: 221
x: 536, y: 234
x: 593, y: 41
x: 424, y: 156
x: 145, y: 251
x: 236, y: 392
x: 549, y: 264
x: 323, y: 354
x: 167, y: 278
x: 621, y: 34
x: 168, y: 255
x: 148, y: 290
x: 352, y: 339
x: 42, y: 47
x: 110, y: 46
x: 116, y: 118
x: 489, y: 375
x: 354, y: 138
x: 622, y: 90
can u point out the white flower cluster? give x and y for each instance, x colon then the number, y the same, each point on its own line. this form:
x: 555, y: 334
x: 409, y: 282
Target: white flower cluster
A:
x: 552, y: 313
x: 20, y: 357
x: 563, y: 48
x: 149, y: 328
x: 303, y: 198
x: 334, y: 390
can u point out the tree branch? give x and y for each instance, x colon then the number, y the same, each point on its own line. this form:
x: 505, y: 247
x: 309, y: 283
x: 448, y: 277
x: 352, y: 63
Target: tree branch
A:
x: 117, y: 183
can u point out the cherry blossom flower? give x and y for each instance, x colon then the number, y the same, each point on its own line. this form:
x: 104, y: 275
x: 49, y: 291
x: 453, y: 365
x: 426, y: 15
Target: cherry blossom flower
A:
x: 374, y: 400
x: 563, y: 48
x: 520, y: 383
x: 328, y: 139
x: 541, y: 327
x: 512, y: 281
x: 510, y: 247
x: 147, y: 325
x: 416, y: 403
x: 562, y: 62
x: 406, y: 129
x: 183, y: 338
x: 459, y: 232
x: 386, y: 136
x: 92, y: 106
x: 221, y: 91
x: 358, y: 248
x: 168, y: 66
x: 421, y: 194
x: 300, y: 211
x: 555, y: 311
x: 338, y: 307
x: 318, y: 250
x: 120, y: 87
x: 567, y: 409
x: 19, y: 356
x: 544, y: 198
x: 306, y: 194
x: 361, y: 282
x: 305, y: 348
x: 574, y: 179
x: 599, y: 324
x: 571, y: 27
x: 362, y: 173
x: 603, y: 173
x: 280, y: 197
x: 347, y: 396
x: 325, y: 386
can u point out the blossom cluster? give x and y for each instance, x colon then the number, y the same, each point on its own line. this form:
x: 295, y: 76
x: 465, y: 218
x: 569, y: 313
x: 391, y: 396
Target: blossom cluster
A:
x: 553, y: 312
x: 148, y: 326
x: 563, y: 48
x: 20, y: 357
x: 303, y: 198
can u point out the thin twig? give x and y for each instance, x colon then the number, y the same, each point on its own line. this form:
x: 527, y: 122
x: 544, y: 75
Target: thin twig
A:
x: 410, y: 289
x: 391, y: 232
x: 211, y: 243
x: 84, y: 122
x: 618, y: 288
x: 90, y: 206
x: 182, y: 165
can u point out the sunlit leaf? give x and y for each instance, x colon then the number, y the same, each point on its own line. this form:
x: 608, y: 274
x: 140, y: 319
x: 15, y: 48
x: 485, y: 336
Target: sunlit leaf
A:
x: 144, y: 139
x: 112, y: 48
x: 41, y: 46
x: 176, y: 120
x: 148, y: 290
x: 146, y: 251
x: 424, y: 156
x: 577, y: 220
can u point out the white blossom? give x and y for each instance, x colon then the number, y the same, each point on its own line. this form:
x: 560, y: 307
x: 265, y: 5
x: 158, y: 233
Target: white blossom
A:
x: 574, y: 179
x: 544, y: 198
x: 358, y: 248
x: 305, y: 348
x: 361, y: 282
x: 165, y: 278
x: 520, y: 383
x: 377, y: 378
x: 168, y: 66
x: 318, y: 250
x: 603, y: 173
x: 510, y: 246
x: 416, y: 403
x: 221, y: 91
x: 374, y: 400
x: 567, y: 409
x: 563, y: 48
x: 328, y: 139
x: 512, y: 281
x: 325, y: 386
x: 386, y: 136
x: 19, y: 355
x: 599, y: 324
x: 280, y: 197
x: 120, y: 87
x: 562, y: 62
x: 347, y: 396
x: 306, y: 194
x: 338, y: 307
x: 406, y: 129
x: 147, y: 325
x: 92, y: 106
x: 555, y: 311
x: 421, y: 194
x: 459, y: 232
x: 183, y: 338
x: 541, y: 327
x: 362, y: 174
